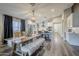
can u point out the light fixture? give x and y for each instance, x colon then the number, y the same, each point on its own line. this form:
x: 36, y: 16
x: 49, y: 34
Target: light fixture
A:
x: 33, y: 18
x: 30, y: 22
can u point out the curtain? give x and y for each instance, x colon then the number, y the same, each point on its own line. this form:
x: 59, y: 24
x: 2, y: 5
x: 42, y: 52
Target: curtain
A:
x: 8, y: 27
x: 22, y: 25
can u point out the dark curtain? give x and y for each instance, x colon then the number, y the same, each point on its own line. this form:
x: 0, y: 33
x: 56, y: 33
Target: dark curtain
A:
x: 22, y: 25
x: 8, y: 27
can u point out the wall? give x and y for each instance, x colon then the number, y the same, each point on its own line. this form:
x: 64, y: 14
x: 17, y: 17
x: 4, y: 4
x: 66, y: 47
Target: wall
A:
x: 67, y: 14
x: 57, y: 19
x: 58, y: 28
x: 58, y: 25
x: 1, y: 27
x: 26, y: 26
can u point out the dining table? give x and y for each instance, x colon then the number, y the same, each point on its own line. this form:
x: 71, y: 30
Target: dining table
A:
x: 30, y: 48
x: 16, y: 42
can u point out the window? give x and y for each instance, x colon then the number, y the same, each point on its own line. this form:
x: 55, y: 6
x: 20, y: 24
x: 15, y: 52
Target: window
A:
x: 16, y: 25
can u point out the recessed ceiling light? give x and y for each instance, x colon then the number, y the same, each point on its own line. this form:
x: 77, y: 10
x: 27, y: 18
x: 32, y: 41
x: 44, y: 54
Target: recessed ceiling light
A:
x: 53, y: 10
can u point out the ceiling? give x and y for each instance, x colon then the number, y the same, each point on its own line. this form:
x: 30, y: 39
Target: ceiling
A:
x: 24, y: 10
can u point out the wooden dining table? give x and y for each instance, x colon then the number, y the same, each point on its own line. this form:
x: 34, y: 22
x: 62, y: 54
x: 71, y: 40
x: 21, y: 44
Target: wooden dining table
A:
x: 18, y: 41
x: 21, y: 39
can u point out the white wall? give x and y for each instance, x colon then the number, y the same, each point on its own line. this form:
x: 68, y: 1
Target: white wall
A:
x: 58, y: 28
x: 69, y: 20
x: 57, y: 20
x: 1, y: 26
x: 58, y: 25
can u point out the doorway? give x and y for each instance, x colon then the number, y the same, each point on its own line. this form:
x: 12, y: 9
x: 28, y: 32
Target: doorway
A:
x: 58, y: 28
